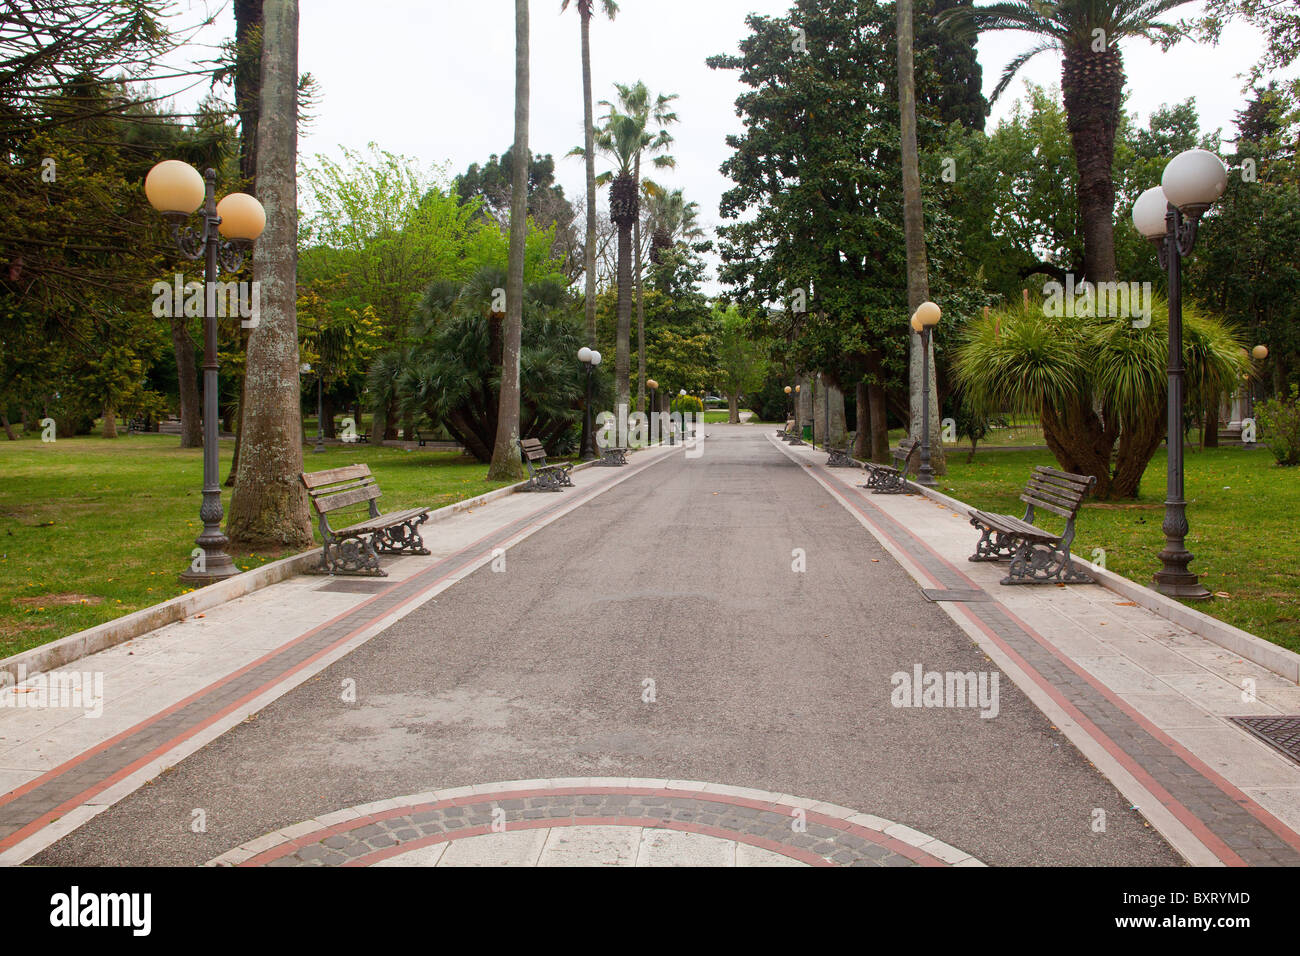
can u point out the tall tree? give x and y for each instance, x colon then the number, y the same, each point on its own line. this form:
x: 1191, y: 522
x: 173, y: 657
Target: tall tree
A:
x: 506, y: 463
x: 918, y: 279
x: 636, y: 101
x: 585, y: 10
x: 624, y: 137
x: 1088, y: 33
x: 269, y: 504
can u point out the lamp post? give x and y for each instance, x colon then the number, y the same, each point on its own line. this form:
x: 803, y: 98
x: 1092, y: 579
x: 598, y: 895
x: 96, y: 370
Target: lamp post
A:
x: 654, y: 406
x: 1259, y: 353
x: 176, y: 190
x: 1168, y: 215
x: 789, y: 400
x: 924, y: 319
x: 589, y: 358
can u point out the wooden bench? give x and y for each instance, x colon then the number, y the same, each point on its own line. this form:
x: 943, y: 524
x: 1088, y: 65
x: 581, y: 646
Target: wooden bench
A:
x: 355, y: 549
x: 541, y: 475
x: 892, y: 479
x: 841, y: 457
x: 1036, y: 554
x: 613, y: 456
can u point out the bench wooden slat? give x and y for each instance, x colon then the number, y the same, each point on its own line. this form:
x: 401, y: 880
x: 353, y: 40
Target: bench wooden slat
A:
x: 339, y: 486
x: 327, y: 503
x: 1083, y: 481
x: 1064, y: 499
x: 1010, y: 524
x: 1066, y: 513
x: 1058, y: 487
x: 335, y: 475
x: 383, y: 521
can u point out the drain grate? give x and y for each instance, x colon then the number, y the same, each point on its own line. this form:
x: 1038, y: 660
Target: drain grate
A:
x: 1280, y: 733
x: 345, y: 586
x: 955, y: 594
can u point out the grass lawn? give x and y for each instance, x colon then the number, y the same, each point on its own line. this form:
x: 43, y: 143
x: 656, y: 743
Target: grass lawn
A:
x: 1243, y: 514
x: 91, y: 529
x: 719, y: 416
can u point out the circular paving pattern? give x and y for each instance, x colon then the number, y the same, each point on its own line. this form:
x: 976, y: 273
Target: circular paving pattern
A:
x: 594, y: 821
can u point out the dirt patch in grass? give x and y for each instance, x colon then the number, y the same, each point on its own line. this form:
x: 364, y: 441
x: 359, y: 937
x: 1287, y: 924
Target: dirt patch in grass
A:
x: 50, y: 600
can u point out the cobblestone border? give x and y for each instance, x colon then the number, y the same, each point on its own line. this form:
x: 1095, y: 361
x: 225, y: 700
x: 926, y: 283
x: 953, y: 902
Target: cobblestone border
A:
x: 366, y: 834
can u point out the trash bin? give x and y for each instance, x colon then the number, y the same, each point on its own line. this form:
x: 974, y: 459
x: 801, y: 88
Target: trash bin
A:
x: 807, y: 433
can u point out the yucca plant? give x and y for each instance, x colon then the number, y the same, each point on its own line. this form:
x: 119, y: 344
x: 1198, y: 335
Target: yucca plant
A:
x: 451, y: 372
x: 1097, y: 384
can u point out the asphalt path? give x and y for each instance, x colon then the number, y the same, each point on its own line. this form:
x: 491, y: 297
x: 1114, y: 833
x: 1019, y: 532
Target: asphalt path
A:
x: 763, y: 676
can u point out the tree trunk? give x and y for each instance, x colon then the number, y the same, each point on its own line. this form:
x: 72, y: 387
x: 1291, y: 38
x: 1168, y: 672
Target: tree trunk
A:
x: 1210, y: 426
x: 918, y: 281
x: 269, y: 504
x: 327, y: 415
x: 733, y: 408
x: 248, y: 85
x: 506, y: 463
x: 110, y: 421
x: 239, y: 431
x: 862, y: 437
x: 9, y: 430
x: 640, y: 302
x: 187, y: 376
x: 623, y: 209
x: 1092, y: 87
x: 589, y: 144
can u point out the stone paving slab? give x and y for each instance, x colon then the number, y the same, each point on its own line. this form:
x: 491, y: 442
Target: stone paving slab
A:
x: 1142, y: 695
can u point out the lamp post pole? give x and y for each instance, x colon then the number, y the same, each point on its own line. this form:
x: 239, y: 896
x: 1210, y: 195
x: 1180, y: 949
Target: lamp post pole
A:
x: 654, y: 408
x: 213, y: 564
x: 924, y: 320
x: 590, y: 358
x: 177, y: 190
x: 1174, y: 577
x: 925, y: 476
x: 1168, y: 215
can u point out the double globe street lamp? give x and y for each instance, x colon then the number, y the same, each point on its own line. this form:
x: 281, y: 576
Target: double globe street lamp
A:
x: 924, y: 319
x: 589, y: 358
x: 654, y: 408
x: 227, y: 232
x: 1168, y: 215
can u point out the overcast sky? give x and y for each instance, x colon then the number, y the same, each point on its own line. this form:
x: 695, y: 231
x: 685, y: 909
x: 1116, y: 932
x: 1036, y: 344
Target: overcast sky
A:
x: 434, y: 79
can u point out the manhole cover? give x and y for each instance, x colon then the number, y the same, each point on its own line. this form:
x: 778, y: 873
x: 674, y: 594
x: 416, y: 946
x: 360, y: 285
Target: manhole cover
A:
x: 354, y: 587
x: 1281, y: 733
x: 955, y: 594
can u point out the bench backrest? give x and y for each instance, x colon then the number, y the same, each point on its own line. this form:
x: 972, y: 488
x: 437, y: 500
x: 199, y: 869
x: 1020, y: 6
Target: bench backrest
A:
x: 339, y: 488
x: 907, y: 447
x: 1059, y: 492
x: 532, y: 450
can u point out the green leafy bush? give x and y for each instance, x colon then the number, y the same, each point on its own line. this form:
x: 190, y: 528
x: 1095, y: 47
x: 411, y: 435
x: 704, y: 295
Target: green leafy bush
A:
x: 1279, y: 426
x: 687, y: 403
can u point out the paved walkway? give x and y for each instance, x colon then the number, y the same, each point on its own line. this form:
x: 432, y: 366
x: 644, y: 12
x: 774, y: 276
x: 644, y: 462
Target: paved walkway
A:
x: 716, y: 619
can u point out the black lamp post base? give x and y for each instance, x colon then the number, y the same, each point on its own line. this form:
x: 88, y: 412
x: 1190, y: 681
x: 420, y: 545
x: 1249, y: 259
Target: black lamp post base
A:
x: 217, y: 567
x: 925, y: 477
x: 1176, y: 582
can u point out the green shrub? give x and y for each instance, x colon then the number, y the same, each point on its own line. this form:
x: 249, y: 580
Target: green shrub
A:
x: 1279, y: 426
x: 687, y: 403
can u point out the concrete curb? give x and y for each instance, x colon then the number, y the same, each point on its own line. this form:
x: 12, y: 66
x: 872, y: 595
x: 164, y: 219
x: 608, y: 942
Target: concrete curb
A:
x: 1277, y: 659
x: 65, y: 650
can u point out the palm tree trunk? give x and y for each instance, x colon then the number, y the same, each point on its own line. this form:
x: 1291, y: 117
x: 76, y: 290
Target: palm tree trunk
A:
x: 918, y: 281
x: 1092, y: 87
x: 640, y: 304
x: 589, y: 144
x: 269, y: 504
x: 506, y: 464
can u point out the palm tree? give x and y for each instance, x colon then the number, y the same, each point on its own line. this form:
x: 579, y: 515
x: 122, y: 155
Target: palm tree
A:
x: 670, y: 218
x: 1087, y: 32
x: 269, y: 504
x: 1099, y: 386
x: 506, y: 463
x: 918, y: 278
x: 585, y: 10
x: 625, y: 136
